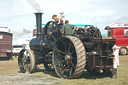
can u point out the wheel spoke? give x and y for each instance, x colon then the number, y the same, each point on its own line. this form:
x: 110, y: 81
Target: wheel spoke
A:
x: 53, y: 37
x: 61, y: 61
x: 70, y: 73
x: 72, y: 64
x: 73, y: 51
x: 24, y: 56
x: 64, y: 70
x: 27, y: 54
x: 27, y: 67
x: 23, y: 64
x: 74, y: 58
x: 61, y: 51
x: 69, y: 47
x: 65, y: 46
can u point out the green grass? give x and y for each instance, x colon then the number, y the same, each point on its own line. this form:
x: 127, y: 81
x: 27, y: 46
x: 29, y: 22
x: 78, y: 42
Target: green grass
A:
x: 11, y: 67
x: 88, y: 79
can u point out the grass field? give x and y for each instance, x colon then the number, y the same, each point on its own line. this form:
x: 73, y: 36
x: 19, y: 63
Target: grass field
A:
x: 11, y: 67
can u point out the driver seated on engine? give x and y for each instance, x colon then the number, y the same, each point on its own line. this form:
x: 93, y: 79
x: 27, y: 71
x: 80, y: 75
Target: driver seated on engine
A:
x: 67, y: 28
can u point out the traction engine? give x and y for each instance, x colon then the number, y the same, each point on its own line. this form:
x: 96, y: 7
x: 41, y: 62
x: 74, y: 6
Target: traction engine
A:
x: 68, y: 55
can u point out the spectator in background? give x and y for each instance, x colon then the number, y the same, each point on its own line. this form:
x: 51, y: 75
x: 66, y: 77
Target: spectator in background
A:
x: 116, y: 61
x: 62, y: 15
x: 67, y: 28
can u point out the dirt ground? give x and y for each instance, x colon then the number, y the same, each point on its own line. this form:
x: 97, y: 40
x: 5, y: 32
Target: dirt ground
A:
x: 25, y: 79
x: 10, y: 75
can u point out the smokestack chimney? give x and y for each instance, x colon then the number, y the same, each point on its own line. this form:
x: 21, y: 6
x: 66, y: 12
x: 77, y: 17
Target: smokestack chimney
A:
x: 38, y: 23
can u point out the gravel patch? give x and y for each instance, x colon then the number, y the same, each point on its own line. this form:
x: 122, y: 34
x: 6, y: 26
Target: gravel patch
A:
x: 26, y: 79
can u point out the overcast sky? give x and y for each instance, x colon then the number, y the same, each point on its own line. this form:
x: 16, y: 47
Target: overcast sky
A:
x: 18, y: 15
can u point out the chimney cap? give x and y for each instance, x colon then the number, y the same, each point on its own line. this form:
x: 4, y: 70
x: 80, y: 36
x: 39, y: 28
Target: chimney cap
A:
x: 38, y: 13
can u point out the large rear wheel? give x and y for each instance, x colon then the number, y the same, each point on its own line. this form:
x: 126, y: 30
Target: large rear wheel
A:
x: 69, y: 57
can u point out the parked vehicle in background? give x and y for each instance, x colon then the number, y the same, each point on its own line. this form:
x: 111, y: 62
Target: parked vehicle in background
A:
x: 17, y: 49
x: 5, y: 43
x: 119, y: 31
